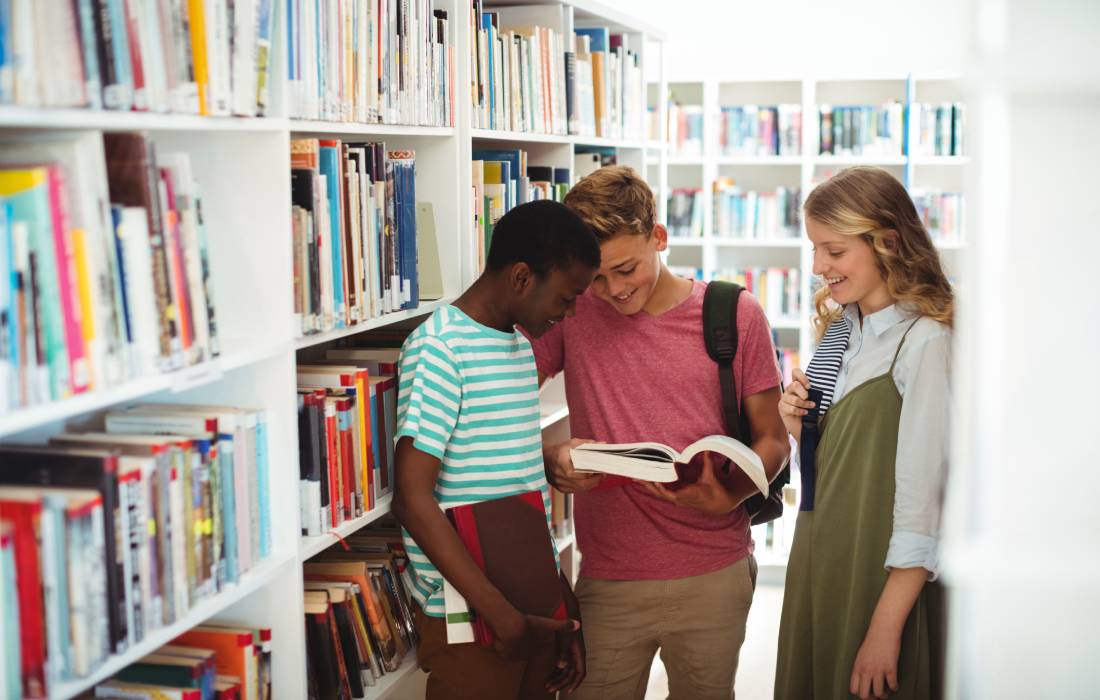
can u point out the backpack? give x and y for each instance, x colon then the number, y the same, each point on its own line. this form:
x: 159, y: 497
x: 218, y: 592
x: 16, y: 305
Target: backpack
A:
x: 720, y: 337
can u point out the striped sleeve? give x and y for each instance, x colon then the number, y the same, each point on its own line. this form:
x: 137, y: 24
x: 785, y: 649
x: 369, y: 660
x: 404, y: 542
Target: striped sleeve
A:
x: 429, y: 395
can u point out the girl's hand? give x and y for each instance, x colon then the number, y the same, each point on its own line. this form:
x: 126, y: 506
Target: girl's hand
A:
x: 794, y: 402
x: 875, y: 671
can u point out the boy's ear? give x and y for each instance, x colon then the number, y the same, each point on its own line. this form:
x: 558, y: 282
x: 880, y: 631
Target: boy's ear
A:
x: 660, y: 235
x: 522, y: 278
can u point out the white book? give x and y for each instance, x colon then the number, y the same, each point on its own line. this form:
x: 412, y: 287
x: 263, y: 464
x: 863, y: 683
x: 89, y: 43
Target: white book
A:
x: 652, y: 461
x: 460, y: 629
x: 244, y: 58
x: 133, y: 232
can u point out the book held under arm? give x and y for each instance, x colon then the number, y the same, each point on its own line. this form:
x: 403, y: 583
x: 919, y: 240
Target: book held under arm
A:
x: 652, y: 461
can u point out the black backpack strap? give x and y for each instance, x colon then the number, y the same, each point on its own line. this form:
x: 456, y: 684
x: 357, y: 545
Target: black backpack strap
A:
x: 720, y: 337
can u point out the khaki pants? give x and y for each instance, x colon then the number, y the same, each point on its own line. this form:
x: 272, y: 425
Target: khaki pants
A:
x: 474, y: 672
x: 698, y: 623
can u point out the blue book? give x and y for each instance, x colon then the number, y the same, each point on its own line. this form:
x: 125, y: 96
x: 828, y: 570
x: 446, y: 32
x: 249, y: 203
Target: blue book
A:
x: 330, y: 168
x: 404, y: 172
x: 563, y: 176
x: 7, y: 67
x: 263, y: 476
x: 120, y: 46
x: 599, y: 38
x: 264, y: 29
x: 225, y: 469
x: 92, y: 80
x: 514, y: 159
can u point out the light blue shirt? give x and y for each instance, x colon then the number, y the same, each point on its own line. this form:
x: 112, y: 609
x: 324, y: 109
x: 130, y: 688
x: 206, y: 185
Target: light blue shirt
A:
x: 923, y: 378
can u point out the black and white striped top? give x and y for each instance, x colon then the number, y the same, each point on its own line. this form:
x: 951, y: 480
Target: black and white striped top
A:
x: 824, y: 366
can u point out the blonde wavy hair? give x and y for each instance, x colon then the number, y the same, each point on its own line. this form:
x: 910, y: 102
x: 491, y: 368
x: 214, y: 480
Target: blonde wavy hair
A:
x: 614, y: 200
x: 870, y: 203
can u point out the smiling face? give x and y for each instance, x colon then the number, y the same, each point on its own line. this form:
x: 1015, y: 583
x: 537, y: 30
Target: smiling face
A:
x: 548, y: 299
x: 848, y: 266
x: 630, y: 265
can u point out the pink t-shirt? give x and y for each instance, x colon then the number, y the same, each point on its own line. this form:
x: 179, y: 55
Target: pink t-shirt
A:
x: 644, y: 378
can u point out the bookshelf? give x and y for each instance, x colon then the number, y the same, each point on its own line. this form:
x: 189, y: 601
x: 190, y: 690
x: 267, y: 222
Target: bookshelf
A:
x: 243, y: 164
x: 700, y: 166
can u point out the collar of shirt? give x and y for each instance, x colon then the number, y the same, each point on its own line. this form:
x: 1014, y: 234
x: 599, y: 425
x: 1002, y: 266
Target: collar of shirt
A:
x: 880, y: 321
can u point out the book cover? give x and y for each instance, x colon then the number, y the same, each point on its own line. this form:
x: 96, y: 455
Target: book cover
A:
x: 509, y: 540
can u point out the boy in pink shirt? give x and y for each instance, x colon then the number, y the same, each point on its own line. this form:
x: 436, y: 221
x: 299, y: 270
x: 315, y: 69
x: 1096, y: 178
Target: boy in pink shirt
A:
x: 661, y: 569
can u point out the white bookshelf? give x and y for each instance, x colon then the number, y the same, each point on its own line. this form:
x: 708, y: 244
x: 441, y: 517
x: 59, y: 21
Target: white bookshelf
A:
x: 712, y: 252
x: 243, y: 166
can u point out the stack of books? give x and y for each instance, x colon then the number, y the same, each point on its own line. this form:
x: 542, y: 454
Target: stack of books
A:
x: 347, y: 422
x: 941, y: 212
x: 357, y: 232
x: 685, y: 213
x: 685, y: 130
x: 938, y: 128
x: 105, y: 275
x: 535, y: 79
x: 370, y: 61
x: 210, y: 57
x: 215, y: 661
x: 359, y: 614
x: 755, y: 215
x: 756, y: 130
x: 116, y: 534
x: 776, y: 288
x: 864, y: 130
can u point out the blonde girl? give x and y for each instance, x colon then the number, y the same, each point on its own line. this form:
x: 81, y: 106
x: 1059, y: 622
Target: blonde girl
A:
x: 861, y: 611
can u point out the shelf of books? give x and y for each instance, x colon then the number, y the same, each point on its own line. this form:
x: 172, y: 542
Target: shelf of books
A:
x: 744, y: 151
x: 218, y: 222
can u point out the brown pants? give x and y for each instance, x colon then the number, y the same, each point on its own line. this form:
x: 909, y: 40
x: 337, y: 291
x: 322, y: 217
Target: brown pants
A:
x: 698, y: 623
x: 474, y: 672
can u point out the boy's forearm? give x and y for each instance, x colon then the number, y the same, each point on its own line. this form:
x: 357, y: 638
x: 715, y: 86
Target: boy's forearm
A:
x: 774, y: 454
x: 572, y: 606
x: 433, y: 533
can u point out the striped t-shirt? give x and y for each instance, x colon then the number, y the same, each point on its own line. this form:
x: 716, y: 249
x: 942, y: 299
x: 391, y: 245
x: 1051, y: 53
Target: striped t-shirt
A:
x: 469, y: 396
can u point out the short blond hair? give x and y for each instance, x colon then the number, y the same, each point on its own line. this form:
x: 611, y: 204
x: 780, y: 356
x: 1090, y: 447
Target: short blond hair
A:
x: 614, y: 200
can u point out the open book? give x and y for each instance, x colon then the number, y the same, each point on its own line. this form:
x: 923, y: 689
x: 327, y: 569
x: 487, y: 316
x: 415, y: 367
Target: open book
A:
x: 652, y: 461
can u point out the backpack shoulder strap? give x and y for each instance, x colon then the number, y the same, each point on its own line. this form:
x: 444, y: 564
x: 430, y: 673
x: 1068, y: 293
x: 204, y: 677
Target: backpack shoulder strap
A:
x: 720, y: 337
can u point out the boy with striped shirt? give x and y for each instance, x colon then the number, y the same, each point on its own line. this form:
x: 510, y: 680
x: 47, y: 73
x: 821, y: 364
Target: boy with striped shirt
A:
x: 468, y: 431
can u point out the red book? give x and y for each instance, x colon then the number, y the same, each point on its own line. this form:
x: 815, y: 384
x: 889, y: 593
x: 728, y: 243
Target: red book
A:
x: 141, y: 98
x: 335, y: 480
x: 24, y: 518
x: 347, y: 455
x: 509, y: 540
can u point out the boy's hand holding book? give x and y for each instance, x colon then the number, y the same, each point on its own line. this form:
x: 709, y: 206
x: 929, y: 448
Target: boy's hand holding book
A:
x: 517, y: 636
x: 560, y: 472
x: 707, y: 493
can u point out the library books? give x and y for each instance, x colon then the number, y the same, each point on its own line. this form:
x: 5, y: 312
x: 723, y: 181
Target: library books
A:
x: 209, y: 662
x: 60, y: 554
x: 758, y: 130
x: 863, y: 130
x: 354, y: 232
x: 941, y: 213
x: 685, y: 213
x: 104, y: 271
x: 530, y: 78
x: 11, y: 661
x: 776, y: 288
x: 939, y: 128
x: 370, y: 61
x: 755, y: 215
x: 788, y: 360
x: 685, y: 130
x: 503, y: 179
x: 347, y: 420
x: 651, y: 461
x: 210, y: 57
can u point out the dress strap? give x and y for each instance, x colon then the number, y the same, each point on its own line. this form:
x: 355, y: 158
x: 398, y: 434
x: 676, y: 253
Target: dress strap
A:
x: 900, y: 344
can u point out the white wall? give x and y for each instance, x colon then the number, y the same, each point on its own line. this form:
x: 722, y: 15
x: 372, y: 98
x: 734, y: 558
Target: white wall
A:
x: 792, y: 37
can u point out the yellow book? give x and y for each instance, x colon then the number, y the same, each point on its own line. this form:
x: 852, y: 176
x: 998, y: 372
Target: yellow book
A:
x: 84, y: 290
x: 197, y: 15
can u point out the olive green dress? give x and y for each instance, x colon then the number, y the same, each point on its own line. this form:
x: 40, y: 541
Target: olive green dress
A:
x: 836, y: 570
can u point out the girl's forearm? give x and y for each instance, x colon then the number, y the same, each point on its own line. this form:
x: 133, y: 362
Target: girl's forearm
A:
x: 897, y: 598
